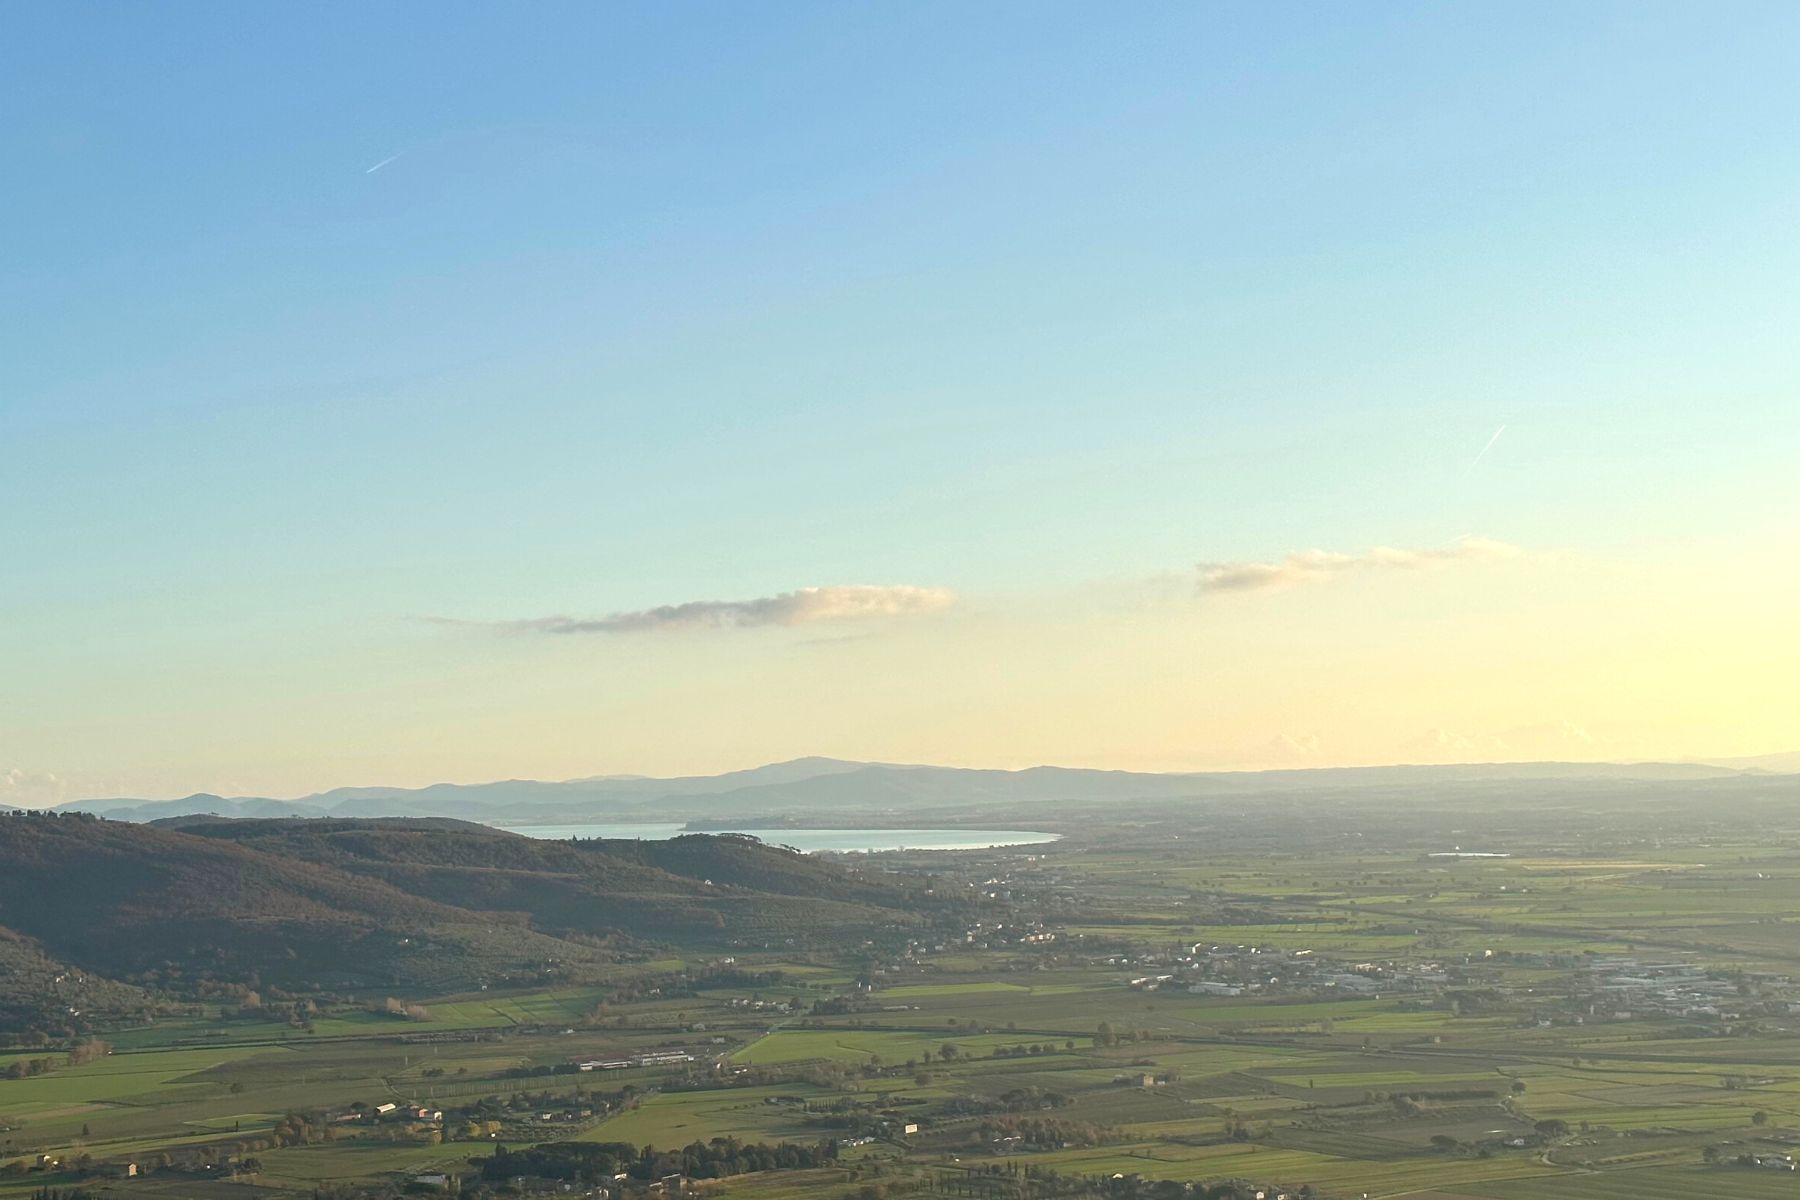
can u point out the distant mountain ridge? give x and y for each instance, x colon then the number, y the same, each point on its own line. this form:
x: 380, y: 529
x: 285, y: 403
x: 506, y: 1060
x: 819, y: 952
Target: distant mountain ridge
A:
x: 843, y: 789
x: 1787, y: 763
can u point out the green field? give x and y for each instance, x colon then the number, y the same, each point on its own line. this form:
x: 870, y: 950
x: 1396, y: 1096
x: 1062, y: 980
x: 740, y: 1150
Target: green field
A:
x: 673, y: 1118
x: 1420, y: 1089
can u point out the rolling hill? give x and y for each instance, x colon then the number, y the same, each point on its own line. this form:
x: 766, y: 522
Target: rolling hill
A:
x: 398, y: 903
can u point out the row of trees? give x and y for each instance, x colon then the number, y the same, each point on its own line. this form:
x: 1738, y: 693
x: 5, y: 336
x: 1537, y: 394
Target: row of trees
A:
x: 1016, y: 1181
x: 80, y: 1054
x: 600, y: 1162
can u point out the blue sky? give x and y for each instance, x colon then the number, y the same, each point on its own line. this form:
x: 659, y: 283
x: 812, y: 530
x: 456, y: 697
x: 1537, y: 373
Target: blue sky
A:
x: 696, y: 303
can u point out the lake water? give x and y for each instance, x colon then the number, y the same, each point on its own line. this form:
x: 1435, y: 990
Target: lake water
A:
x: 809, y: 840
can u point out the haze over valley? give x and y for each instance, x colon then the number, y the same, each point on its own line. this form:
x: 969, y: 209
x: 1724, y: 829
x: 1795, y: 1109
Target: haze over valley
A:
x: 900, y: 601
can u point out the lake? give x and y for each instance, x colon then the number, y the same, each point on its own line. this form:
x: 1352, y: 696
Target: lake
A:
x: 809, y: 840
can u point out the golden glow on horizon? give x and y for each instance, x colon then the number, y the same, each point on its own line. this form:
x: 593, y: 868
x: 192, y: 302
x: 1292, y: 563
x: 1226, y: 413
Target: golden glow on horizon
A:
x: 1539, y: 656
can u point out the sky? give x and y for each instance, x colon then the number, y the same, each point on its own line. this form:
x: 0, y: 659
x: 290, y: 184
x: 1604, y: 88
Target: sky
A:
x: 393, y: 394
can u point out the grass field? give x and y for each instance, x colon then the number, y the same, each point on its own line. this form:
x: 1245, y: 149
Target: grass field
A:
x: 1413, y: 1091
x: 158, y: 1077
x: 861, y: 1046
x: 1655, y: 1183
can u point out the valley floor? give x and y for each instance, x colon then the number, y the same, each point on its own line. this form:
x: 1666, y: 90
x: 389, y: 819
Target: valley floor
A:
x: 1140, y: 1012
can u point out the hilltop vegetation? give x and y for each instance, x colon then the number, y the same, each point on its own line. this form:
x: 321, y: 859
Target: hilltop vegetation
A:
x: 310, y: 905
x: 37, y: 991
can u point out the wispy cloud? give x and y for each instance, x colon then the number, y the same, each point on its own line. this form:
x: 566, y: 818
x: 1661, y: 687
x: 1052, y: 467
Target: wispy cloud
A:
x: 1486, y: 447
x: 1319, y: 566
x: 31, y: 789
x: 1284, y: 749
x: 1559, y: 741
x: 804, y: 606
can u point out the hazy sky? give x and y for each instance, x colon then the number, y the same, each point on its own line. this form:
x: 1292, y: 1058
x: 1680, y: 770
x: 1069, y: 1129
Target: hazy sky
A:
x: 399, y: 392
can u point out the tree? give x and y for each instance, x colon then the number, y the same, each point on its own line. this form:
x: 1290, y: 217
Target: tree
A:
x: 1759, y: 1117
x: 84, y: 1052
x: 1552, y: 1127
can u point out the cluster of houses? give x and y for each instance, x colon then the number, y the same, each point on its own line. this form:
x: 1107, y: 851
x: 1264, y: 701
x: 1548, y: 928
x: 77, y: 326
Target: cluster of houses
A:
x: 392, y: 1112
x: 1774, y: 1162
x: 571, y: 1113
x: 985, y: 935
x: 529, y: 1185
x: 655, y: 1058
x: 1242, y: 969
x: 1624, y: 988
x: 1600, y: 987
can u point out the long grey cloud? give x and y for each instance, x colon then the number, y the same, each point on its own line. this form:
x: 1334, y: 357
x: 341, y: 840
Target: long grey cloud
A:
x: 803, y: 606
x: 1320, y: 566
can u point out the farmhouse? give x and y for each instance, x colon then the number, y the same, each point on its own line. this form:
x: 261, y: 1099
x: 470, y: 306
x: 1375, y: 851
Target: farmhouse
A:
x: 1213, y: 987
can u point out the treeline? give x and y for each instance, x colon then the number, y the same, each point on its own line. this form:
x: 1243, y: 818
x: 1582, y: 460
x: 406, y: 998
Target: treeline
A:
x: 392, y: 1007
x: 685, y: 984
x: 1449, y: 1094
x: 303, y: 1129
x: 1010, y: 1180
x: 1029, y: 1049
x: 80, y: 1054
x: 26, y: 1068
x: 1038, y: 1133
x: 1017, y: 1100
x: 601, y: 1162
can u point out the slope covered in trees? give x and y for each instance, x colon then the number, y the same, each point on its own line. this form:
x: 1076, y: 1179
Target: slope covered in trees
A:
x: 399, y: 903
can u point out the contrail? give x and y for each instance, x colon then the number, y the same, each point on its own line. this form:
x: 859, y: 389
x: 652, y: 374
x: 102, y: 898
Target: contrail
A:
x: 384, y: 162
x: 1486, y: 448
